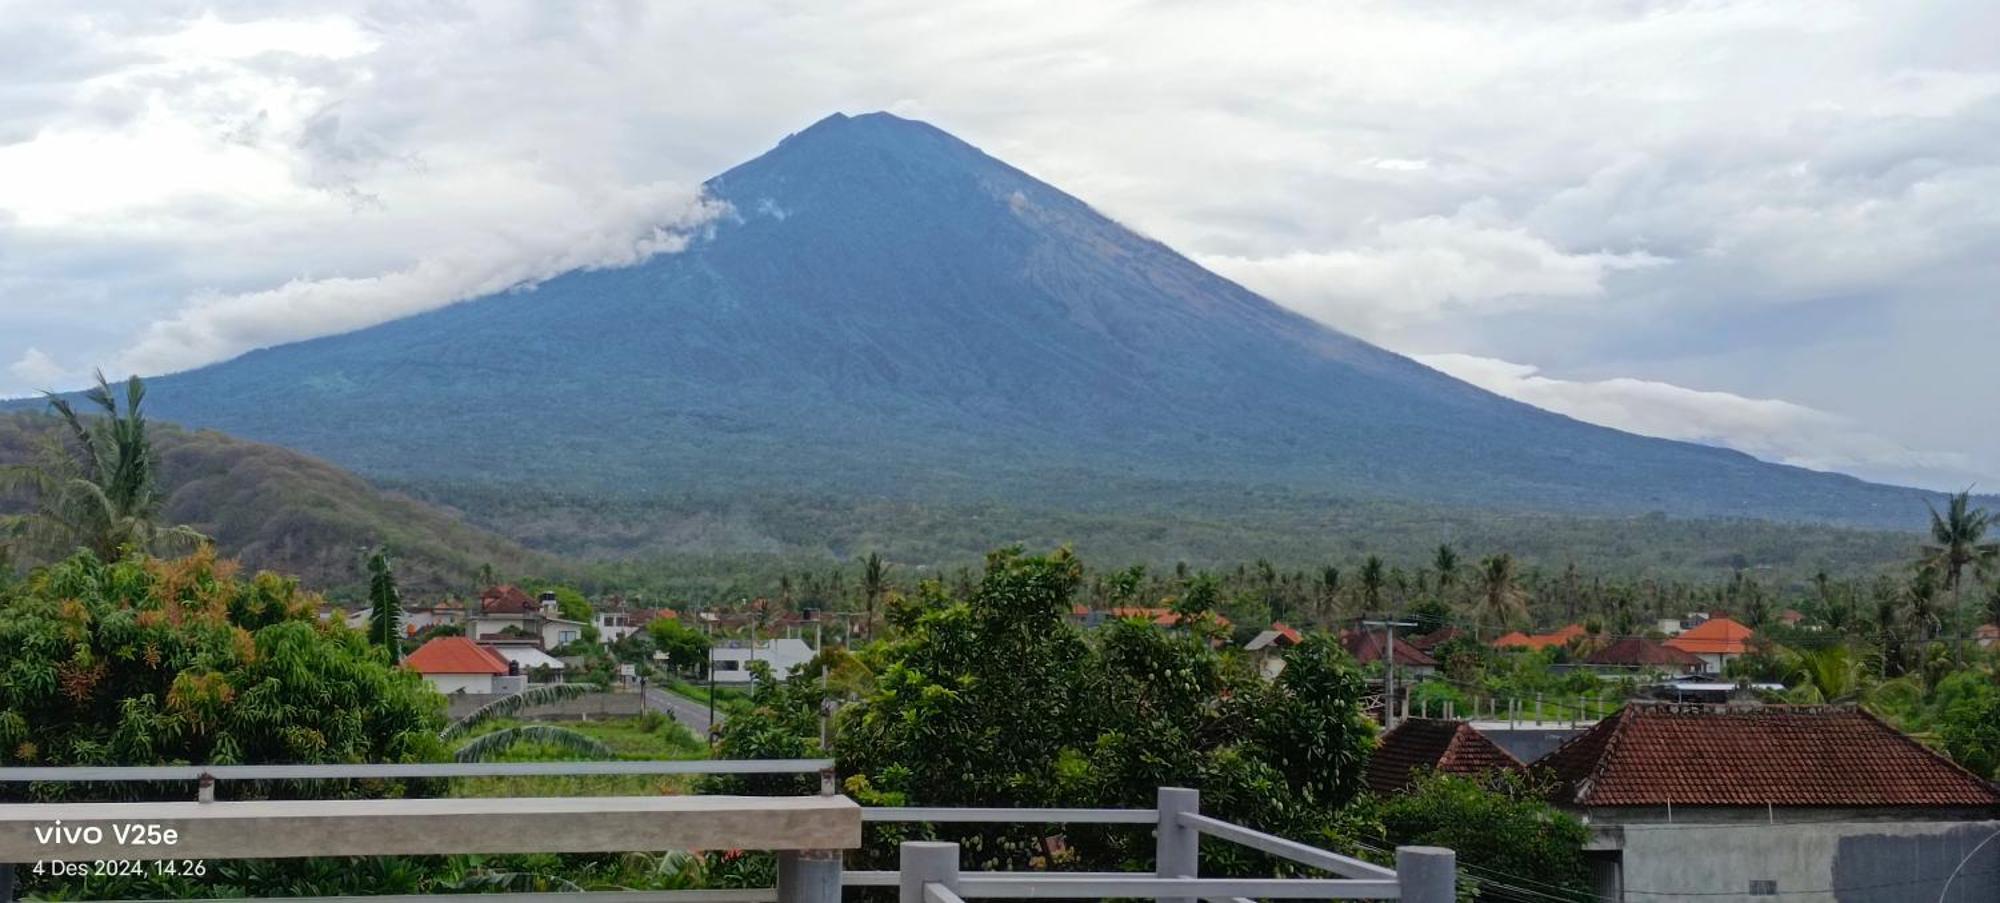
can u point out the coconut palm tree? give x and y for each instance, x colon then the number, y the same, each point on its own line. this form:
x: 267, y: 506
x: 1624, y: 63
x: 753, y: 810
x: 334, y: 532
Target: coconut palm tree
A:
x: 1500, y: 596
x: 1831, y: 674
x: 874, y: 583
x: 95, y: 487
x: 1957, y: 542
x: 1373, y: 576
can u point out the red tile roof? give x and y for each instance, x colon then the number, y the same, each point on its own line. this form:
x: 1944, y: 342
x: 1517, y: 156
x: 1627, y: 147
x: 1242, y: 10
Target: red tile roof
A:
x: 1640, y: 652
x: 1453, y: 747
x: 1715, y: 636
x: 455, y: 655
x: 1366, y: 646
x: 1660, y: 754
x: 505, y: 599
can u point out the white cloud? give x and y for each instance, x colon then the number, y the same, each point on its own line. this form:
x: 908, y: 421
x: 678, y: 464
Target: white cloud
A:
x: 1425, y: 269
x: 1768, y: 428
x: 38, y: 368
x: 646, y: 222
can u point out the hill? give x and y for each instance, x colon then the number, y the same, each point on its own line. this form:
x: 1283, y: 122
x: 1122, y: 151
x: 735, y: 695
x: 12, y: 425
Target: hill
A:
x: 892, y: 316
x: 276, y: 509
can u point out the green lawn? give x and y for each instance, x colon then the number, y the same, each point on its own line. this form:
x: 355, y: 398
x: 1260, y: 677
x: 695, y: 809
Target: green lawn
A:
x: 636, y: 739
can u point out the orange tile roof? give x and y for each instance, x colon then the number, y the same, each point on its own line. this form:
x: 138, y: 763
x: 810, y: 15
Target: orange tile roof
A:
x: 455, y: 655
x: 1560, y: 637
x: 1715, y: 636
x: 1659, y: 754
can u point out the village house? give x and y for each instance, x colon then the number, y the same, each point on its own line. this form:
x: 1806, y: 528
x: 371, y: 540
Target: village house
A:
x: 729, y: 661
x: 455, y: 664
x: 1368, y: 646
x: 1747, y: 801
x: 1538, y: 641
x: 1418, y: 745
x: 1716, y: 641
x: 1632, y: 656
x: 1267, y: 649
x: 505, y: 612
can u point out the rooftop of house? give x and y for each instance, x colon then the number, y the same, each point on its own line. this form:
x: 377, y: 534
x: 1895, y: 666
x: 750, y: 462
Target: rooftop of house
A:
x: 1416, y: 744
x: 1367, y: 646
x: 1715, y: 636
x: 1278, y: 636
x: 1670, y: 754
x: 1559, y: 637
x: 1436, y: 638
x: 505, y: 599
x: 1639, y: 652
x: 455, y: 655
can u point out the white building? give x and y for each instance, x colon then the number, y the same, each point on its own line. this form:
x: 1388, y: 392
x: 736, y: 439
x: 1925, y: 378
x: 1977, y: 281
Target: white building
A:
x: 454, y: 664
x: 729, y: 662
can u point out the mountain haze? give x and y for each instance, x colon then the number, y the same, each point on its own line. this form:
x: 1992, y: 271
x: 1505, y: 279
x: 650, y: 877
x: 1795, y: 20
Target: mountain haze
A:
x: 890, y: 313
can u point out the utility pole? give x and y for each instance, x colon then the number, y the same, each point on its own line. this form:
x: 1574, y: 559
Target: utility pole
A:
x: 1389, y: 626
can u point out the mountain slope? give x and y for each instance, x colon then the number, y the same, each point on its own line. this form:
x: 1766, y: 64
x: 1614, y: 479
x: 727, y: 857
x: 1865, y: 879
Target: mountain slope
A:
x: 275, y: 509
x: 891, y: 312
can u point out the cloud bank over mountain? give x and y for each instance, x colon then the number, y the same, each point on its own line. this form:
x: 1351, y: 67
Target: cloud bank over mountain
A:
x: 1641, y: 190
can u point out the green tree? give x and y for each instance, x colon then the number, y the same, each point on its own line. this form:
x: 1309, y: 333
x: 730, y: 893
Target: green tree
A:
x: 1373, y: 576
x: 1511, y: 844
x: 385, y: 606
x: 144, y: 661
x: 95, y: 487
x: 1445, y: 562
x: 1968, y: 706
x: 874, y: 583
x: 1958, y: 537
x: 1500, y: 596
x: 685, y: 646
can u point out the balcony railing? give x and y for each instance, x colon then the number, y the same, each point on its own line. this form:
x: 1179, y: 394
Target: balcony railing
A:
x: 808, y: 834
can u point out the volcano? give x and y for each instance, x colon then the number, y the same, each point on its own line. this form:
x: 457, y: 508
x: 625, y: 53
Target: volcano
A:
x: 890, y: 312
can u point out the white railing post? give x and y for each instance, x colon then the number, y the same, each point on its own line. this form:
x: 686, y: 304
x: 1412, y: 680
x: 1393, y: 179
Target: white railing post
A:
x: 924, y: 862
x: 1177, y: 847
x: 1427, y: 874
x: 809, y: 876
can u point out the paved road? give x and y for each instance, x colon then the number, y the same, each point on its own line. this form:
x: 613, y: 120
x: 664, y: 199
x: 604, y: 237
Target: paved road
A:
x: 685, y: 710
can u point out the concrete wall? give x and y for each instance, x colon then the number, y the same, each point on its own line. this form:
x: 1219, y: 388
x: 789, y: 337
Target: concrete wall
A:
x: 1844, y: 861
x: 595, y: 705
x: 456, y: 684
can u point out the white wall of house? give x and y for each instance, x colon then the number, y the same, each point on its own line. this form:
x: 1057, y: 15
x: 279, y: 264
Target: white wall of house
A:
x: 730, y: 664
x: 1803, y: 854
x: 557, y: 632
x: 461, y: 683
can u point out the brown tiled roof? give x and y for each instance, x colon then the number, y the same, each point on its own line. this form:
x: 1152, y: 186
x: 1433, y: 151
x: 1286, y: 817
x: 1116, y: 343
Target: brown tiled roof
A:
x: 1659, y: 754
x: 1366, y: 646
x: 1640, y: 652
x: 505, y: 599
x: 1436, y: 638
x: 455, y: 655
x: 1453, y: 747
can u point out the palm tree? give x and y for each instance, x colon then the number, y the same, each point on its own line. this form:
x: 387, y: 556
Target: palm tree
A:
x: 1372, y: 578
x: 489, y: 745
x: 1500, y: 596
x: 385, y: 606
x: 874, y: 583
x: 1446, y: 564
x: 98, y: 491
x: 1922, y: 597
x: 1831, y: 674
x: 1956, y: 543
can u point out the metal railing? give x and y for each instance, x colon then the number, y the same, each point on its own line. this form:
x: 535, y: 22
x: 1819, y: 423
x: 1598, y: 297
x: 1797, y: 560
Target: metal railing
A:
x: 928, y: 872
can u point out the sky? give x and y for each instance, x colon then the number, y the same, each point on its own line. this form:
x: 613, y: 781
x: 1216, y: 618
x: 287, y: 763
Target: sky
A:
x: 1772, y: 226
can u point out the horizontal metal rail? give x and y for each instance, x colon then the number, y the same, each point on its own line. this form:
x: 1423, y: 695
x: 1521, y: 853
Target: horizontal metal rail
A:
x: 943, y: 814
x: 866, y: 878
x: 91, y: 774
x: 1300, y: 853
x: 1016, y: 885
x: 938, y: 893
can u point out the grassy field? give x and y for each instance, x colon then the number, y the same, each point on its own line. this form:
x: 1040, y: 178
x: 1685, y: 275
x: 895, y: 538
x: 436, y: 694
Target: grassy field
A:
x: 728, y: 700
x: 645, y: 738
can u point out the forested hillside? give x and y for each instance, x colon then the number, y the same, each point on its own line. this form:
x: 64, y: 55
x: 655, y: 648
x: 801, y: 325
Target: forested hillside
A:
x: 272, y: 508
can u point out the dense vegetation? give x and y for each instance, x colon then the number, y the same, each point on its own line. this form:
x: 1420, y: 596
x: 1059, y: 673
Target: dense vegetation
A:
x: 278, y: 510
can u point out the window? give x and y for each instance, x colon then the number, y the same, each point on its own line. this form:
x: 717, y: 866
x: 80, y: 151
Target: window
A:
x: 1763, y: 887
